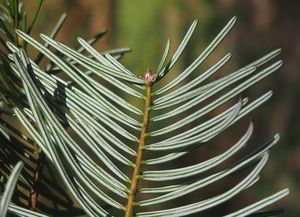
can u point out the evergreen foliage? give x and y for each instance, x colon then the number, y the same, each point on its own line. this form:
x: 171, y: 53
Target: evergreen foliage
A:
x: 82, y: 126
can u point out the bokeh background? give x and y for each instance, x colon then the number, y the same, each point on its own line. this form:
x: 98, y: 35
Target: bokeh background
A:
x: 263, y: 25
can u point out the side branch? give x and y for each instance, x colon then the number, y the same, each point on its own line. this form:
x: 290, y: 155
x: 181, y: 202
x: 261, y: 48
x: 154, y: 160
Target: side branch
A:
x: 34, y: 191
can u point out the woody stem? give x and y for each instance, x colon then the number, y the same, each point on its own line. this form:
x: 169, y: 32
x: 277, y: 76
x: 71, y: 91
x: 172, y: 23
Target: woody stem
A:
x: 139, y: 157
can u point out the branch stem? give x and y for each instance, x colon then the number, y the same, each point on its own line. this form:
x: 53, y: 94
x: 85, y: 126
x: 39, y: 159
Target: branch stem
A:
x: 34, y: 191
x: 139, y: 158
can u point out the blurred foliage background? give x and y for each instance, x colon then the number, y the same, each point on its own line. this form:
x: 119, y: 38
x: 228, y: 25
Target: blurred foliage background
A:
x: 263, y: 25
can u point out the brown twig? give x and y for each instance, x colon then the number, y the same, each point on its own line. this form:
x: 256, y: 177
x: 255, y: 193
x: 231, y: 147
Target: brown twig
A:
x: 138, y: 164
x: 37, y: 177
